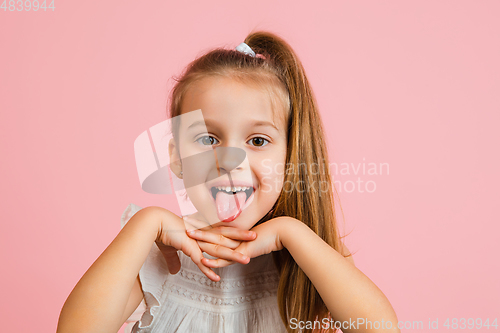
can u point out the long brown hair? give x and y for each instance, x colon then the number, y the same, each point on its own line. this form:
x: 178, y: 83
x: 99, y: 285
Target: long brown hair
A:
x: 281, y: 71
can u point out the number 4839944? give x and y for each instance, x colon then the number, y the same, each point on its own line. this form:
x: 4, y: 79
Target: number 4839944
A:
x: 26, y: 5
x: 470, y: 323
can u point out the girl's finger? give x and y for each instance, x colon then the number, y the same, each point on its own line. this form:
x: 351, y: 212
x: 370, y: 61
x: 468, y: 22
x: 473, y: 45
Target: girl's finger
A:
x: 234, y: 233
x: 229, y: 232
x: 215, y: 238
x: 245, y: 248
x: 205, y: 270
x: 196, y: 256
x: 223, y: 252
x: 216, y: 263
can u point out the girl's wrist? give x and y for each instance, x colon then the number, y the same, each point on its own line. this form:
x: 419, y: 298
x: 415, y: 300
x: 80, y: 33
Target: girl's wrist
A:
x: 161, y: 220
x: 289, y: 229
x: 151, y: 221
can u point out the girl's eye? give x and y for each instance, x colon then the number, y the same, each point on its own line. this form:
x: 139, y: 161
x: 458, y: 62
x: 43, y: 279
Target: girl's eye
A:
x: 207, y: 140
x: 259, y: 142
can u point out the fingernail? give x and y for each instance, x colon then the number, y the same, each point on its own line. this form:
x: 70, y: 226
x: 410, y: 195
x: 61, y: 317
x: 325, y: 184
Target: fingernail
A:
x: 191, y: 232
x: 244, y: 257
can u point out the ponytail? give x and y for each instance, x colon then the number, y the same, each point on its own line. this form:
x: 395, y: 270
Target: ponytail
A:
x: 297, y: 296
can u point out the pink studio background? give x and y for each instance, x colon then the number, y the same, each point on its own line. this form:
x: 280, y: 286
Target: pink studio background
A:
x: 411, y: 84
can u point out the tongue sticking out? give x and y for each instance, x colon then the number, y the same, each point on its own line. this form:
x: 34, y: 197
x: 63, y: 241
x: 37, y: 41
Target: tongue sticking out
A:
x: 229, y: 205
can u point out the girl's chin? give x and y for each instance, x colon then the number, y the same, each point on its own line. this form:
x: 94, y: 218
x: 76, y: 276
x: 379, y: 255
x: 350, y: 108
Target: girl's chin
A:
x: 235, y: 224
x: 240, y: 220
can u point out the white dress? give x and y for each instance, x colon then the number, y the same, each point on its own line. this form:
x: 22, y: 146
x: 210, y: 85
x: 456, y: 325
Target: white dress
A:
x: 243, y: 300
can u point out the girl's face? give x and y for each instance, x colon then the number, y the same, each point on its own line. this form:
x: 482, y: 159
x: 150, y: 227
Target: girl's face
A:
x: 241, y: 116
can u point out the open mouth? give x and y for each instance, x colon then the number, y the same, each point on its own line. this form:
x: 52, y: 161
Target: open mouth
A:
x: 231, y: 190
x: 230, y: 201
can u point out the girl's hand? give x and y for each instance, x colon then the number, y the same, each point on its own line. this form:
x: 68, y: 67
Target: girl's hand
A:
x: 267, y: 241
x: 220, y: 241
x: 172, y: 237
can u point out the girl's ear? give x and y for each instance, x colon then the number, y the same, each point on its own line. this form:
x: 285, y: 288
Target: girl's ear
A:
x: 175, y: 161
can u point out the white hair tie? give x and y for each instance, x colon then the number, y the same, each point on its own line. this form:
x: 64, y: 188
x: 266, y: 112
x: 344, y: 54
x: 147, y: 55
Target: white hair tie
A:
x: 244, y: 48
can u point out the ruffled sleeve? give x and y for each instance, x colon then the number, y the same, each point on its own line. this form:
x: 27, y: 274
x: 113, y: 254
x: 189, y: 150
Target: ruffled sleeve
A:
x: 152, y: 274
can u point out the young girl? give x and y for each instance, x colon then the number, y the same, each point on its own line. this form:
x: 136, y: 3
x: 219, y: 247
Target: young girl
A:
x: 262, y: 253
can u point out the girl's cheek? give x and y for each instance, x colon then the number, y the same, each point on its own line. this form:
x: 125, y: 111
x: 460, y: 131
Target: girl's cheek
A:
x: 267, y: 185
x: 272, y: 182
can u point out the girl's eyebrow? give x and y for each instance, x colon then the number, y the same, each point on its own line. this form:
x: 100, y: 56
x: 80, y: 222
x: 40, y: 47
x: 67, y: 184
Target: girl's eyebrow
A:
x: 264, y: 124
x: 257, y: 123
x: 197, y: 123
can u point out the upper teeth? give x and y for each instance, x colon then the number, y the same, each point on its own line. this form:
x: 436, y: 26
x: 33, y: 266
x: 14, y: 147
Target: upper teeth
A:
x: 232, y: 189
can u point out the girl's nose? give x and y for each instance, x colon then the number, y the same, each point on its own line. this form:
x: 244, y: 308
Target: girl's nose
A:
x: 229, y: 158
